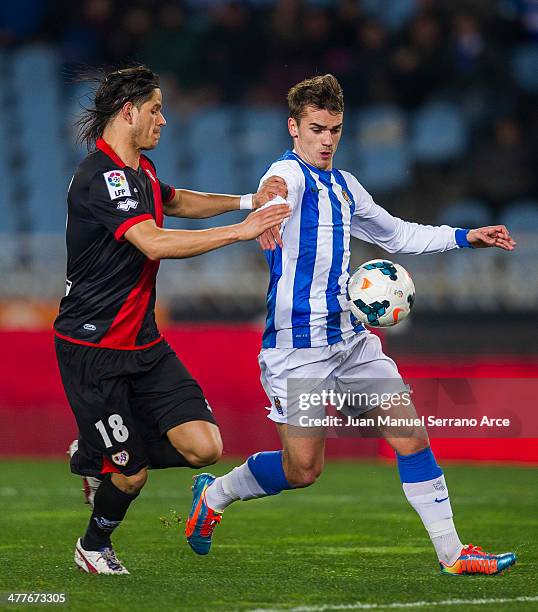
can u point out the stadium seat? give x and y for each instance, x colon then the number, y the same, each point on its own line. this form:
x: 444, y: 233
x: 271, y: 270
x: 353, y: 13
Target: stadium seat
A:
x: 167, y: 155
x: 262, y: 139
x: 47, y: 190
x: 521, y: 215
x: 525, y: 66
x: 394, y: 14
x: 438, y: 133
x: 472, y: 279
x: 35, y: 65
x: 520, y: 286
x: 8, y: 208
x: 37, y: 68
x: 210, y: 139
x: 346, y: 156
x: 466, y: 214
x: 79, y: 95
x: 382, y: 152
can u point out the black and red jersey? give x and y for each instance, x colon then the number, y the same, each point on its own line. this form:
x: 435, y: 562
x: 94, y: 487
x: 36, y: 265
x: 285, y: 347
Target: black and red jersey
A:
x: 110, y: 287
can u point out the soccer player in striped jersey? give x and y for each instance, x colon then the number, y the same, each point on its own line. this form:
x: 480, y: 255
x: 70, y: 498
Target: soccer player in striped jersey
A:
x: 312, y: 336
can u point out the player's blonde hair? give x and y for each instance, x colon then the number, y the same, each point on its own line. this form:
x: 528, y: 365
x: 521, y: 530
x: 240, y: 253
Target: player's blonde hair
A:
x: 321, y: 92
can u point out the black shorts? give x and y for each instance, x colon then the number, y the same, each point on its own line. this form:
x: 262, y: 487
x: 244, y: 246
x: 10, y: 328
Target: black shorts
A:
x: 125, y: 400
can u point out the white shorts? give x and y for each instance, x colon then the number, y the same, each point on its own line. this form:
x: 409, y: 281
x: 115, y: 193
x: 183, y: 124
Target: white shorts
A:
x: 357, y: 365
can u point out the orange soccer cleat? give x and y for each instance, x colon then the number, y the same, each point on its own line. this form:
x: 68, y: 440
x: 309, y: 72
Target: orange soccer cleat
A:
x: 473, y: 560
x: 202, y: 519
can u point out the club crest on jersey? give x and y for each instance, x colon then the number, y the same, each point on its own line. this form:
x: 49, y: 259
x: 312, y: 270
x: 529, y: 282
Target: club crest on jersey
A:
x: 346, y: 196
x: 117, y: 184
x: 121, y: 458
x: 127, y: 204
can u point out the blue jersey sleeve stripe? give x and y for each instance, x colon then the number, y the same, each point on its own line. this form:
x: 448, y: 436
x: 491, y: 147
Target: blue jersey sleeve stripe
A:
x: 274, y: 259
x: 334, y: 330
x: 339, y: 178
x: 306, y: 260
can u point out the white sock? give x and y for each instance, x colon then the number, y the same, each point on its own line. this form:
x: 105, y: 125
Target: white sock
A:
x: 431, y: 501
x: 237, y: 484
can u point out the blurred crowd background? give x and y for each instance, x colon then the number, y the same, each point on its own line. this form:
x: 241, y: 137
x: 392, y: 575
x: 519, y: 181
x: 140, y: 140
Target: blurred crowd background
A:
x: 441, y: 126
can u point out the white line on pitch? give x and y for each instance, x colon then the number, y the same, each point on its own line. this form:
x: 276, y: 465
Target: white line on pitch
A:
x: 402, y: 605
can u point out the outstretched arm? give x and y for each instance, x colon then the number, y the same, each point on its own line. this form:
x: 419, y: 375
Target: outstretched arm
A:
x: 375, y: 225
x: 157, y: 243
x: 200, y: 205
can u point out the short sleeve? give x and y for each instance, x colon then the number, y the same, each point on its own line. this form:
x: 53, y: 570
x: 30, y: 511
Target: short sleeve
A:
x: 289, y: 171
x: 113, y: 202
x: 167, y: 192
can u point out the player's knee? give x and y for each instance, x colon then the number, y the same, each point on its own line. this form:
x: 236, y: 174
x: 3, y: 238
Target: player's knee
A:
x: 131, y: 485
x: 408, y: 446
x: 304, y: 476
x: 204, y: 454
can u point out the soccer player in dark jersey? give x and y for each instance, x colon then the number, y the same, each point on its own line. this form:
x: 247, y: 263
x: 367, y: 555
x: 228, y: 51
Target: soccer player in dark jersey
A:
x: 135, y: 403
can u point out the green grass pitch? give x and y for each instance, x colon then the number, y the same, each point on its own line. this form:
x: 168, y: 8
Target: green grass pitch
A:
x: 349, y: 542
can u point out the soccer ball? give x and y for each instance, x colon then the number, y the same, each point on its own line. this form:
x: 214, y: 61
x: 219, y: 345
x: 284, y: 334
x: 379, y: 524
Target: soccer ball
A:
x: 381, y: 293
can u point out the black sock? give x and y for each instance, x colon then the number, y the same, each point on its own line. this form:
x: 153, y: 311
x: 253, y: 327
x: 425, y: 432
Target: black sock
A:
x: 109, y: 509
x: 162, y: 454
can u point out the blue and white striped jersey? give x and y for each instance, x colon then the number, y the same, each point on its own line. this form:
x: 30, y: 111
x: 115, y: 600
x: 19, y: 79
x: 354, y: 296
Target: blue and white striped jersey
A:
x: 307, y: 294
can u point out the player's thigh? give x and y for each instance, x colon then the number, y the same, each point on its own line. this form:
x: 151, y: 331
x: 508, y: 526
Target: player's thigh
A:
x: 367, y: 376
x: 109, y: 440
x: 168, y: 401
x: 198, y: 441
x: 378, y: 391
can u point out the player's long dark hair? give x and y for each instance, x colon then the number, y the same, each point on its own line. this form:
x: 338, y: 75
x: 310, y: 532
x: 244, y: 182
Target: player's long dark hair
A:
x: 112, y: 91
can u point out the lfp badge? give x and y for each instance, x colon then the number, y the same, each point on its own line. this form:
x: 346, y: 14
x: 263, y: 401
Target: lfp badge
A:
x: 117, y: 184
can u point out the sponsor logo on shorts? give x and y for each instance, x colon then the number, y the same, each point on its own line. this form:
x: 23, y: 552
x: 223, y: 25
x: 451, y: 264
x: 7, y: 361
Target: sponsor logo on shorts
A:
x: 117, y: 184
x: 127, y: 204
x: 208, y: 406
x: 89, y: 327
x: 278, y: 405
x: 121, y: 458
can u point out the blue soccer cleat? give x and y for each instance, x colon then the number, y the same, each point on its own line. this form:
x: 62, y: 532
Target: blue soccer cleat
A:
x: 473, y: 560
x: 202, y: 519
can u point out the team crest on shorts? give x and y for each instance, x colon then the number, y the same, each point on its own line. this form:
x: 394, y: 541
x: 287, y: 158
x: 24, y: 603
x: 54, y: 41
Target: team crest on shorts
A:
x: 121, y: 458
x: 278, y: 405
x: 439, y: 486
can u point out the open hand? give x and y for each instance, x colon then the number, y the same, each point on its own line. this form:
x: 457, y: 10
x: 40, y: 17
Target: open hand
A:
x: 260, y: 221
x: 491, y: 236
